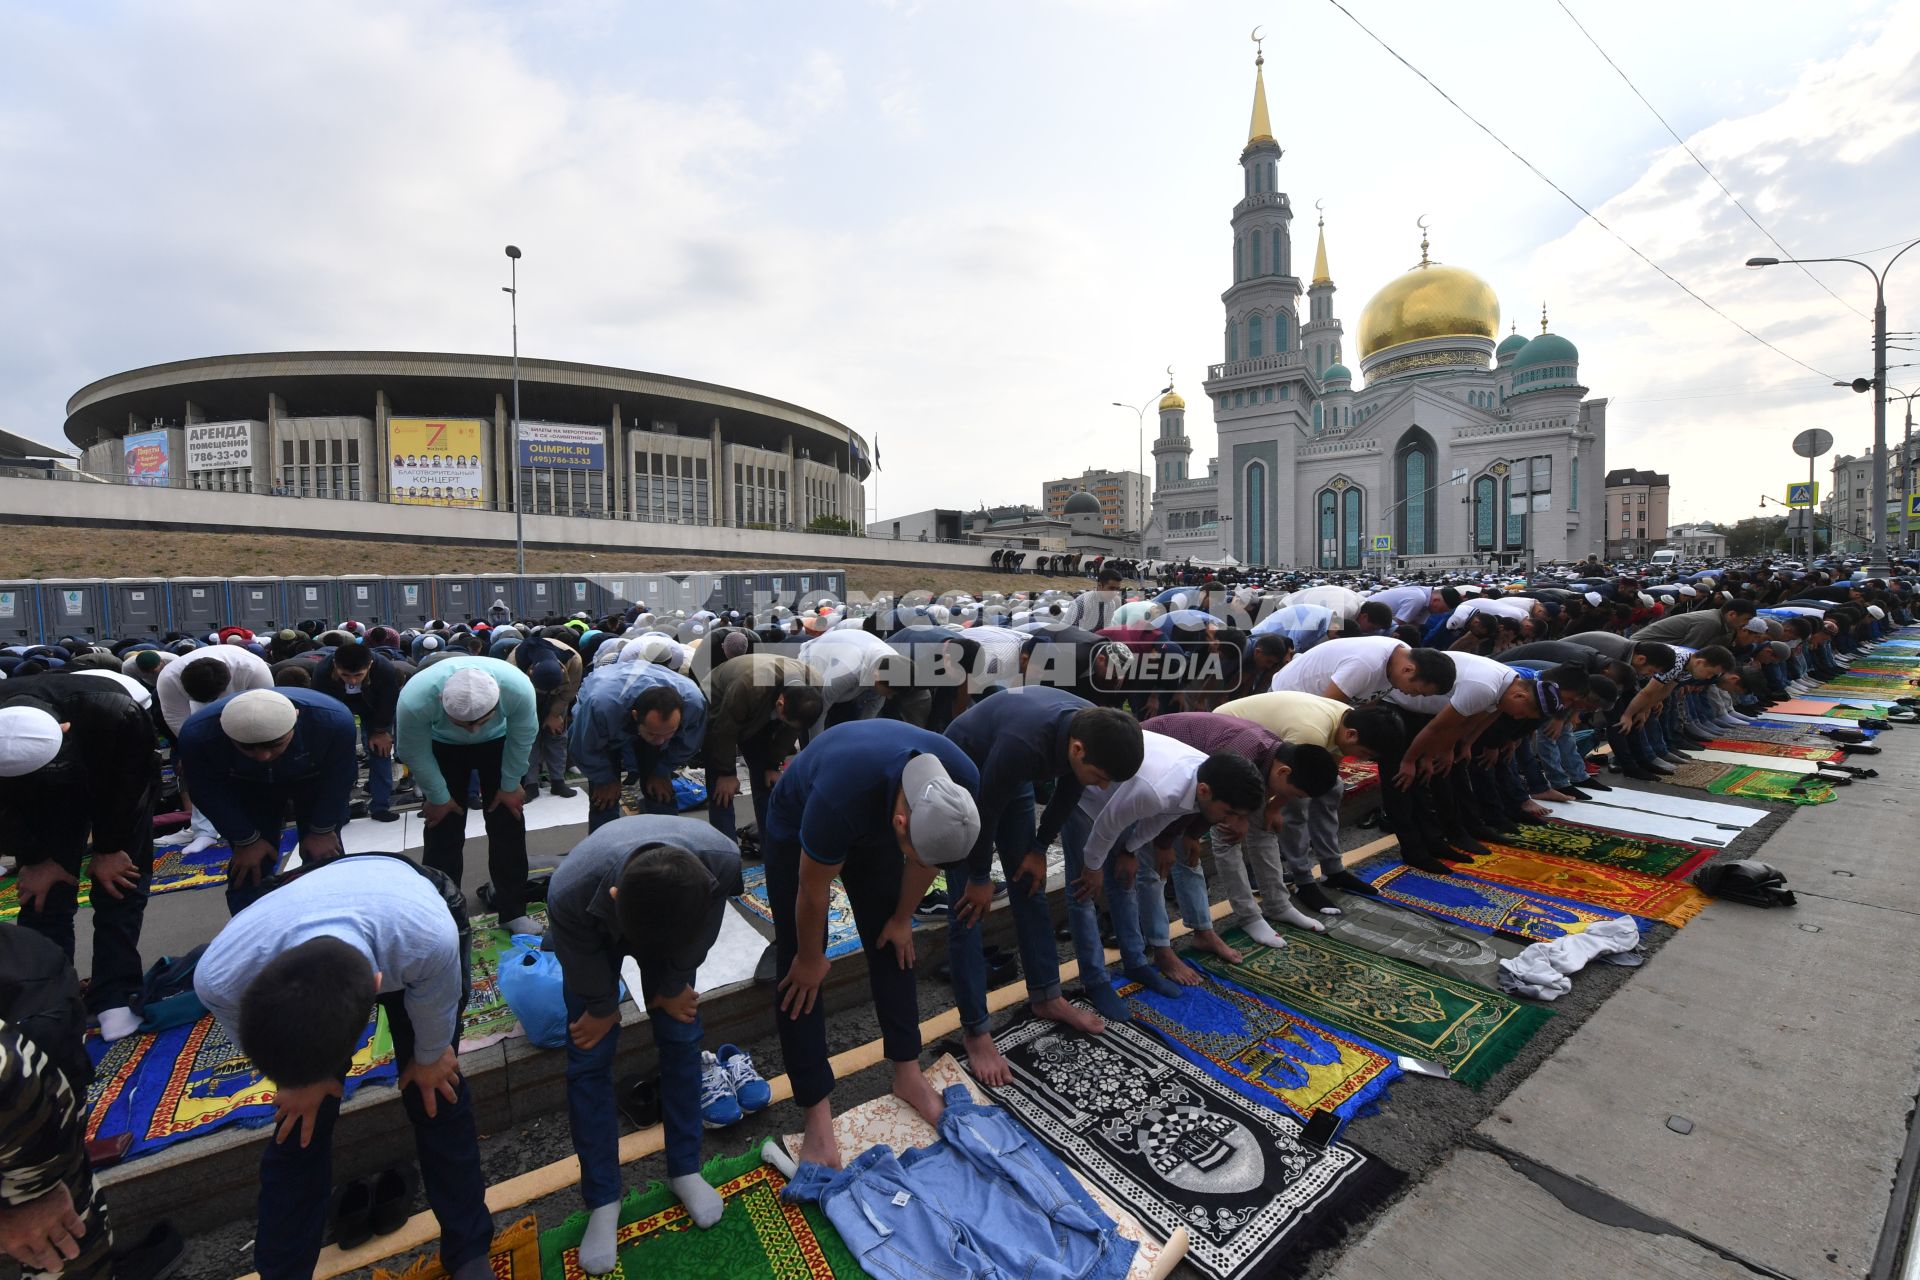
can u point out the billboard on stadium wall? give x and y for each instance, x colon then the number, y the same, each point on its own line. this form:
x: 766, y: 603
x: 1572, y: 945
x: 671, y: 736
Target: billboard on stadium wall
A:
x: 563, y: 448
x: 436, y: 462
x: 219, y: 446
x: 147, y: 458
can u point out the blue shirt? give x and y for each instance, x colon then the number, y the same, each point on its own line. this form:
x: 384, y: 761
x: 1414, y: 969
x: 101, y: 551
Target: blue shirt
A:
x: 1017, y: 738
x: 836, y: 798
x: 320, y: 762
x: 603, y: 721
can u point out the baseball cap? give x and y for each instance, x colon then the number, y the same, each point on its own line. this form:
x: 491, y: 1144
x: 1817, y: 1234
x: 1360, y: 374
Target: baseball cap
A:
x: 30, y: 738
x: 942, y: 820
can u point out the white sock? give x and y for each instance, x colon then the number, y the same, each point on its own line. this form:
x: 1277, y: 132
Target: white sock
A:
x: 1262, y: 932
x: 173, y: 838
x: 526, y: 924
x: 199, y: 843
x: 596, y: 1246
x: 118, y: 1023
x: 1290, y: 914
x: 703, y: 1203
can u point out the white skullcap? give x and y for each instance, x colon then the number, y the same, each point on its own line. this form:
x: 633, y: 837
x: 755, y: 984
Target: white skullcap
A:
x: 29, y: 740
x: 939, y: 614
x: 1687, y: 591
x: 654, y: 647
x: 258, y: 715
x: 1594, y: 598
x: 1646, y: 600
x: 470, y: 694
x: 1755, y: 626
x: 1877, y: 612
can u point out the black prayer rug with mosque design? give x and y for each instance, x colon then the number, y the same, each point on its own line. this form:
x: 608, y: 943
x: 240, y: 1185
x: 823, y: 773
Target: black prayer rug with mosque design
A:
x: 1178, y: 1149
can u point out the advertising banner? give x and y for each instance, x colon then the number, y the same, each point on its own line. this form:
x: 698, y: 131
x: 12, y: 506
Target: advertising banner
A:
x: 436, y: 462
x: 219, y: 446
x: 562, y: 448
x: 147, y: 460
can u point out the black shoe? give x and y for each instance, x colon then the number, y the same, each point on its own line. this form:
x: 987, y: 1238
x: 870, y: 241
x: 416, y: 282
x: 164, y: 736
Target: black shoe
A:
x: 532, y: 789
x: 358, y: 809
x: 933, y: 906
x: 1311, y: 898
x: 562, y: 790
x: 353, y: 1218
x: 157, y: 1256
x: 484, y: 896
x: 392, y: 1200
x: 639, y: 1098
x: 383, y: 815
x: 537, y: 885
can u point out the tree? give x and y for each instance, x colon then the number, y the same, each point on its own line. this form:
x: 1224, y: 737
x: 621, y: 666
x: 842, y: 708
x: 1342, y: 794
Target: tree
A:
x: 1756, y: 535
x: 829, y: 524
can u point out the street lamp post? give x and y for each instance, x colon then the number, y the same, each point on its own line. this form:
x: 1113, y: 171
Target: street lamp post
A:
x: 512, y: 291
x: 1876, y: 557
x: 1140, y: 426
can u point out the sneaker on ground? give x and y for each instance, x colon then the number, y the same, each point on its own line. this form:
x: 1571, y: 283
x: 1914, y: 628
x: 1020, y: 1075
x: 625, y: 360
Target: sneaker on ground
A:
x: 750, y: 1088
x: 934, y: 904
x: 562, y: 790
x: 719, y: 1103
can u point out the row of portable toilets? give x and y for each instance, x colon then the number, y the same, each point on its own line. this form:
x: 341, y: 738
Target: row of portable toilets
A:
x: 50, y: 610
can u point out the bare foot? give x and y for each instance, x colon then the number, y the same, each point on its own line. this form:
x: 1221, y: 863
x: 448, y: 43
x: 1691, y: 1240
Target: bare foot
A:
x: 1208, y: 940
x: 1175, y: 968
x: 1552, y: 794
x: 1068, y: 1014
x: 911, y: 1087
x: 817, y: 1143
x: 984, y: 1060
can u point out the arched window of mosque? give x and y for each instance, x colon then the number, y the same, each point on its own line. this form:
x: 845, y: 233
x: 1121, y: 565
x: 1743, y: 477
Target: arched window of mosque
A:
x: 1256, y: 336
x: 1279, y: 252
x: 1413, y: 468
x: 1253, y: 242
x: 1317, y: 428
x: 1233, y: 341
x: 1256, y: 509
x: 1483, y: 508
x: 1350, y: 526
x: 1329, y: 529
x: 1573, y: 469
x: 1516, y: 524
x: 1236, y: 260
x: 1279, y: 331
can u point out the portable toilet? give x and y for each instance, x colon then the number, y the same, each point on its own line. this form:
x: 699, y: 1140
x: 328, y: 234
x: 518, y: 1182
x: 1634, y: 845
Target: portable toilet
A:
x: 255, y: 603
x: 197, y: 606
x: 496, y: 588
x: 73, y: 607
x: 577, y: 593
x: 539, y: 597
x: 456, y: 598
x: 135, y: 607
x: 19, y: 613
x: 311, y: 600
x: 409, y: 601
x: 363, y: 597
x: 704, y: 591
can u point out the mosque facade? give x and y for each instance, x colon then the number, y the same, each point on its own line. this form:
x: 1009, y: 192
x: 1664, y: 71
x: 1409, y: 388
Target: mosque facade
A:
x: 1457, y: 446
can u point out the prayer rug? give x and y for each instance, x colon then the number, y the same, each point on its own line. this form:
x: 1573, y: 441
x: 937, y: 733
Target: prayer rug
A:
x: 1619, y: 892
x: 1273, y: 1055
x: 1469, y: 1030
x: 1178, y: 1149
x: 487, y: 1019
x: 1785, y: 750
x: 515, y: 1256
x: 758, y: 1235
x: 1870, y: 684
x: 843, y: 937
x: 1667, y: 859
x: 887, y: 1121
x: 1390, y: 930
x: 1825, y: 710
x: 186, y: 1081
x: 1482, y: 905
x: 1779, y: 731
x: 1359, y: 775
x: 1753, y: 784
x: 173, y: 870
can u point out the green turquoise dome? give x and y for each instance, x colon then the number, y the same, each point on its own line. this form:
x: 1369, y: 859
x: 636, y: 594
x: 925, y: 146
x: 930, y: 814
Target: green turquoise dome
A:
x: 1336, y: 373
x: 1509, y: 345
x: 1548, y: 348
x: 1548, y: 362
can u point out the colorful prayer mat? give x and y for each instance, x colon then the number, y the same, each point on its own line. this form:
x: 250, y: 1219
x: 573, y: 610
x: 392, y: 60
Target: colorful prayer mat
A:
x: 1614, y: 889
x: 758, y: 1235
x: 487, y: 1019
x: 1784, y: 750
x: 1754, y: 784
x: 1825, y: 710
x: 1482, y: 905
x: 1471, y: 1031
x: 515, y: 1256
x: 1178, y: 1149
x: 1359, y: 775
x: 1667, y: 859
x: 843, y: 936
x: 173, y: 870
x: 186, y: 1081
x: 1869, y: 684
x: 1262, y: 1051
x: 1387, y: 929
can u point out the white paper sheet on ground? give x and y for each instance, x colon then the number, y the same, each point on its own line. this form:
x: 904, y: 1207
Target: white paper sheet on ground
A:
x: 1824, y: 722
x: 734, y: 956
x: 1680, y: 806
x: 365, y: 836
x: 1853, y: 699
x: 1784, y: 764
x: 1635, y: 822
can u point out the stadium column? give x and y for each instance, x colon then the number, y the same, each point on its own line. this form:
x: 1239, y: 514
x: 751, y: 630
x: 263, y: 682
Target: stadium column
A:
x: 793, y: 488
x: 377, y: 477
x: 722, y: 482
x: 616, y: 456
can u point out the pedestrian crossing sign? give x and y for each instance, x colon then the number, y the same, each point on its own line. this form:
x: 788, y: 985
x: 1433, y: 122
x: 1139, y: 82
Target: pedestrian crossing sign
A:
x: 1913, y: 506
x: 1382, y: 542
x: 1803, y: 493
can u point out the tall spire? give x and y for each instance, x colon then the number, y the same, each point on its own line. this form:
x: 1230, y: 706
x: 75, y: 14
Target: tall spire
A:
x: 1320, y: 273
x: 1259, y: 129
x: 1543, y: 317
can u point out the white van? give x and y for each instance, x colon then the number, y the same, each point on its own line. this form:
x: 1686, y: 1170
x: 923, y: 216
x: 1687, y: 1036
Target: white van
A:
x: 1666, y: 557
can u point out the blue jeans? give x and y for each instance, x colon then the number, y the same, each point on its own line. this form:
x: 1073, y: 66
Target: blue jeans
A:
x: 596, y: 1120
x: 986, y: 1201
x: 1123, y: 905
x: 379, y: 773
x: 1032, y: 923
x: 296, y: 1182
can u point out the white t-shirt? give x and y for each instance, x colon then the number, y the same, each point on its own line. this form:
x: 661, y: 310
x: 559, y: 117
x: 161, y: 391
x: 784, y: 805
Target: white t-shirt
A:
x: 1358, y: 666
x: 1343, y: 602
x: 246, y: 670
x: 1409, y: 604
x: 1505, y: 606
x: 1477, y: 685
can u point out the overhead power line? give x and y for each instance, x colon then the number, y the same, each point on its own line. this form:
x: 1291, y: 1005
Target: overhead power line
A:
x: 1564, y: 195
x: 1691, y: 155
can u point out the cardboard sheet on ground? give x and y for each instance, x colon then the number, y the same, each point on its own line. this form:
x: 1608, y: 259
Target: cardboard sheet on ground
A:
x: 1679, y: 806
x: 1785, y: 764
x: 1823, y: 722
x: 363, y: 836
x: 887, y: 1120
x: 735, y: 954
x: 1640, y: 822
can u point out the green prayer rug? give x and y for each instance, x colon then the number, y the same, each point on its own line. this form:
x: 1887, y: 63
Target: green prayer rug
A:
x: 1753, y: 784
x: 487, y: 1019
x: 1663, y: 858
x: 1469, y: 1030
x: 759, y: 1235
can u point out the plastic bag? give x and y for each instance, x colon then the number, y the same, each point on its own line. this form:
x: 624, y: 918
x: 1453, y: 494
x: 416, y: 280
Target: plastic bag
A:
x: 530, y: 983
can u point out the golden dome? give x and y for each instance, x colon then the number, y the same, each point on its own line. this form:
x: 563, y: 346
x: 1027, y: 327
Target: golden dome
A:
x: 1172, y: 400
x: 1430, y: 301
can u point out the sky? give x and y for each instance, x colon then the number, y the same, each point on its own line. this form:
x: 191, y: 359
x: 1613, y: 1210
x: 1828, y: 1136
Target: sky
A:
x: 963, y: 228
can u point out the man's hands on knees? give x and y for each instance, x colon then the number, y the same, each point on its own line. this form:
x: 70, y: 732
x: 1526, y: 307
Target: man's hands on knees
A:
x: 37, y: 880
x: 297, y: 1109
x: 437, y: 1079
x: 684, y: 1007
x: 43, y: 1233
x: 248, y: 859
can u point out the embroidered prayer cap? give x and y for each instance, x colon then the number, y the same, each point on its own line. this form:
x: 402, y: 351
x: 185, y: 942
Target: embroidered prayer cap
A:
x: 470, y: 694
x: 1595, y: 599
x: 942, y: 819
x: 29, y: 739
x: 258, y: 715
x: 1548, y: 695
